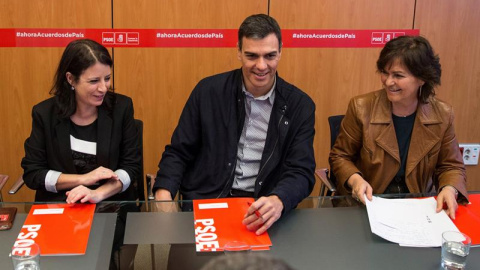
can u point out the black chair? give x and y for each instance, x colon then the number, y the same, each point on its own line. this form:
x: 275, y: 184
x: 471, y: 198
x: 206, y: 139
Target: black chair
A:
x: 139, y: 184
x: 150, y: 180
x: 16, y: 186
x: 124, y: 257
x: 328, y: 182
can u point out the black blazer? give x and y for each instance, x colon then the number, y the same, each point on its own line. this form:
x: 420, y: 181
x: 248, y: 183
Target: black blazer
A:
x: 200, y: 161
x: 48, y: 147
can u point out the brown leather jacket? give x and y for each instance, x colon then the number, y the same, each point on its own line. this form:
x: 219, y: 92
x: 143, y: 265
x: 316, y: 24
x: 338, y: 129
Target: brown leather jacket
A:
x: 367, y: 144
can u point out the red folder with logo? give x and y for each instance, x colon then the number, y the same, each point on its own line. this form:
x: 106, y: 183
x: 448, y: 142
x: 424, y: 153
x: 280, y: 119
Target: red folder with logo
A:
x: 219, y: 221
x: 59, y: 229
x: 467, y: 219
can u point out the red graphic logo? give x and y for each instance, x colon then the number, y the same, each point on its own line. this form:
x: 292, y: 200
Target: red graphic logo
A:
x: 377, y: 38
x: 120, y: 38
x: 387, y: 37
x: 133, y: 38
x: 108, y: 38
x: 384, y: 37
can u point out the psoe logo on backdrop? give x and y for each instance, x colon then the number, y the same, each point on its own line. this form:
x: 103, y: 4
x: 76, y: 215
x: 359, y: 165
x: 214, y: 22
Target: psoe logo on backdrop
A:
x: 133, y: 38
x: 398, y: 34
x: 387, y: 37
x: 384, y: 37
x: 120, y: 38
x: 377, y: 38
x: 108, y: 38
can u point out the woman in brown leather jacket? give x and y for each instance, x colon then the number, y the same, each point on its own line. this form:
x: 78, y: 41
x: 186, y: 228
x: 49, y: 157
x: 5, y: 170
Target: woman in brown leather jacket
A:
x: 401, y: 139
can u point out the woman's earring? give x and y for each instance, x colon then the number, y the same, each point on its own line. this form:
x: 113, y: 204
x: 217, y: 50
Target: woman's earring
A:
x: 73, y: 88
x: 419, y: 91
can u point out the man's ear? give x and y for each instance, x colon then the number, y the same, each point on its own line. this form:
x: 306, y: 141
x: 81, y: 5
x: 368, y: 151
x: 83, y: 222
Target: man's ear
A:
x: 239, y: 53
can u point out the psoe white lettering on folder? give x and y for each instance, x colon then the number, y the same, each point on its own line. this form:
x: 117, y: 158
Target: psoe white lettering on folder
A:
x: 408, y: 222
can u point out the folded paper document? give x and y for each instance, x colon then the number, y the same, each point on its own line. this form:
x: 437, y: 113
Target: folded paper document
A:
x: 408, y: 222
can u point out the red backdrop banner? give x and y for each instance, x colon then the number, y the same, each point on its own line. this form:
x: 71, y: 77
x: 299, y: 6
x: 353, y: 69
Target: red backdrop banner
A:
x: 195, y: 38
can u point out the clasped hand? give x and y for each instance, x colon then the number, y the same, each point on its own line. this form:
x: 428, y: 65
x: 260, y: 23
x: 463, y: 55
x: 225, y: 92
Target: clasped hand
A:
x: 97, y: 175
x: 85, y: 194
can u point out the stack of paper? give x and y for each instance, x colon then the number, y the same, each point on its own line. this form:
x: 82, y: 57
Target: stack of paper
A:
x: 408, y: 222
x: 219, y: 221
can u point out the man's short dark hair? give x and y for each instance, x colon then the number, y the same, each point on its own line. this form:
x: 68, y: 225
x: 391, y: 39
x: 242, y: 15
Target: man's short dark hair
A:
x: 246, y: 261
x: 258, y: 27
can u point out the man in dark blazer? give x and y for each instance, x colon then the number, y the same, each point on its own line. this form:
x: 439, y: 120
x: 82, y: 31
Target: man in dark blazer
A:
x: 244, y: 133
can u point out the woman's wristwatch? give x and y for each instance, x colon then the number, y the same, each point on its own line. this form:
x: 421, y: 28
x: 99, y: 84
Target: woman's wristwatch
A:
x: 456, y: 191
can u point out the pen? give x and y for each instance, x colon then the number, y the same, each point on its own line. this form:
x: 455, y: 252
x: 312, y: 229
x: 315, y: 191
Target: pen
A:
x: 256, y: 211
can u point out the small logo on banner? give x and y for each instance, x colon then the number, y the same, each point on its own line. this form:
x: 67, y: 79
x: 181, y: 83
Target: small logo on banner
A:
x: 398, y: 34
x: 387, y: 37
x: 108, y: 38
x: 133, y: 38
x: 384, y: 37
x: 120, y: 38
x: 377, y: 38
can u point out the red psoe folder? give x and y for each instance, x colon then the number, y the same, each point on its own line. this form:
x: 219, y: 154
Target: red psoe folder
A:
x: 59, y: 229
x: 219, y: 221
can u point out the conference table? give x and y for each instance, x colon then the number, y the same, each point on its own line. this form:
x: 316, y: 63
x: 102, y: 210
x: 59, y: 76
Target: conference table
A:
x: 322, y: 233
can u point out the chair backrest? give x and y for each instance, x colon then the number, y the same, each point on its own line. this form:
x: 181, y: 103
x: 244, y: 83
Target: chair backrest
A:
x: 139, y: 181
x: 334, y: 121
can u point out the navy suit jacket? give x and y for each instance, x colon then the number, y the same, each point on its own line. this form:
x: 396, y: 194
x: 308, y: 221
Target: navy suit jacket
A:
x: 48, y: 147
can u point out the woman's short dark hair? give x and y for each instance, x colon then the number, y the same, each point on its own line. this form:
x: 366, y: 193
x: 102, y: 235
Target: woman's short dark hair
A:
x: 78, y: 56
x: 416, y: 53
x: 258, y: 27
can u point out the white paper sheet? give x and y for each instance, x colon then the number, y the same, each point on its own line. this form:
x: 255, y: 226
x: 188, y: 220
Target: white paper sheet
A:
x: 408, y: 222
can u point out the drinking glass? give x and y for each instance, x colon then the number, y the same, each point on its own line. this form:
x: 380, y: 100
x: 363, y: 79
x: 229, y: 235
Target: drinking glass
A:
x: 26, y: 257
x: 455, y: 248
